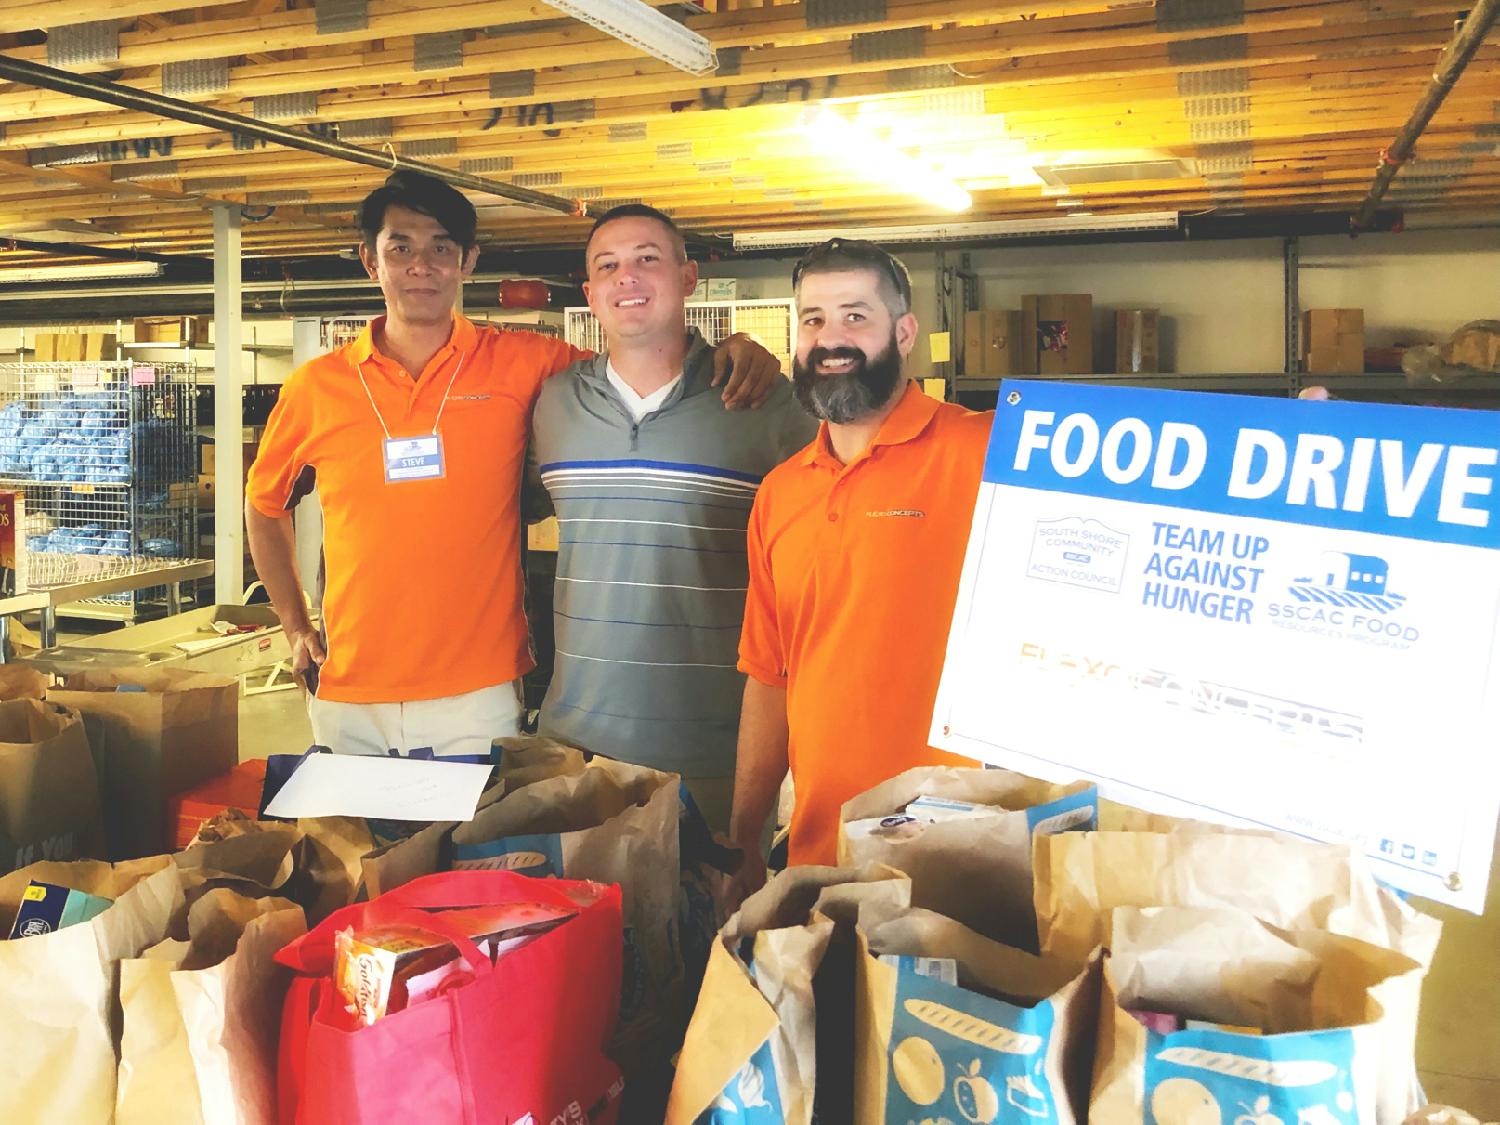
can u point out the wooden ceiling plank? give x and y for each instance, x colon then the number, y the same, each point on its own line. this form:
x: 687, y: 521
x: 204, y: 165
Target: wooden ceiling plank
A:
x: 28, y: 15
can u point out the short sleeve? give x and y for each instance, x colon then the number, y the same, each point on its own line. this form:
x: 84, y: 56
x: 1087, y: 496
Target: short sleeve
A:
x: 273, y: 485
x: 762, y: 653
x: 562, y: 356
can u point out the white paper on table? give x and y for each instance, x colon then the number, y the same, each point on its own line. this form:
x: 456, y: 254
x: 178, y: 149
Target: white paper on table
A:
x: 384, y: 788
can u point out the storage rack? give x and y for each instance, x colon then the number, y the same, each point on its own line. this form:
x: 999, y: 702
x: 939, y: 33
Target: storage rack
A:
x: 105, y: 454
x: 770, y: 322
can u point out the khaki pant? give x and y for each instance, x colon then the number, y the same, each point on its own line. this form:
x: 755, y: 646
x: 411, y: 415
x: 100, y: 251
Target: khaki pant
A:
x: 452, y: 726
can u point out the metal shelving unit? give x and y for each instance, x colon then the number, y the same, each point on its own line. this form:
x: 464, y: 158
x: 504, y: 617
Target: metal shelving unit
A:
x: 772, y: 323
x: 105, y: 454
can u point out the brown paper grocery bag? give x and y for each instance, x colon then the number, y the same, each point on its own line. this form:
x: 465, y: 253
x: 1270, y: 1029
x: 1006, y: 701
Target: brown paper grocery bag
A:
x: 977, y: 871
x: 752, y: 1044
x: 529, y: 758
x: 316, y: 862
x: 201, y: 1017
x: 1291, y: 1024
x: 755, y: 1045
x: 49, y: 793
x: 1011, y: 1039
x: 21, y: 681
x: 170, y: 730
x: 1285, y: 881
x: 59, y: 990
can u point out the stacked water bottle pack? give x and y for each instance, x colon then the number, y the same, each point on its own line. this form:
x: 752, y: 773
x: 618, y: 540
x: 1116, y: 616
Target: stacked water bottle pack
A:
x: 87, y: 539
x: 73, y: 438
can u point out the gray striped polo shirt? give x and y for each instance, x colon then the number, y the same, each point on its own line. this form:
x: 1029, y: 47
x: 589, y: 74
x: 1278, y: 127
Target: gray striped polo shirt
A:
x: 651, y: 565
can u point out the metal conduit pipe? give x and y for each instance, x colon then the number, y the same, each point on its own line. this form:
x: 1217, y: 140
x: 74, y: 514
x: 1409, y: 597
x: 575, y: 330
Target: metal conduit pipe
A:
x: 1450, y: 65
x: 127, y: 97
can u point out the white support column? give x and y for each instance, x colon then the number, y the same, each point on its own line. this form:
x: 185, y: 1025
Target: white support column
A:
x: 307, y: 520
x: 229, y: 413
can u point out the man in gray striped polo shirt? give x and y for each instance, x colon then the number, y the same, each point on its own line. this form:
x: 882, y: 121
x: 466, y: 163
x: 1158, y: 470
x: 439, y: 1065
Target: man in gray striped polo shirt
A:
x: 652, y: 480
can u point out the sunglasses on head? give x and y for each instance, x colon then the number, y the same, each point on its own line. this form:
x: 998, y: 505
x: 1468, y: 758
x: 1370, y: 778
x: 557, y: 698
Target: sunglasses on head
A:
x: 858, y: 250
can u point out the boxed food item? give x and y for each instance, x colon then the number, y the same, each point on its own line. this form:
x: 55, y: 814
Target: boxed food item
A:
x: 992, y: 343
x: 1137, y: 341
x: 47, y: 908
x: 171, y: 330
x: 1057, y: 334
x: 384, y: 968
x: 1333, y: 341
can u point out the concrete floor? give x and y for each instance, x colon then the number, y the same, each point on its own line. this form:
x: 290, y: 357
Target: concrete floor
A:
x: 1458, y: 1048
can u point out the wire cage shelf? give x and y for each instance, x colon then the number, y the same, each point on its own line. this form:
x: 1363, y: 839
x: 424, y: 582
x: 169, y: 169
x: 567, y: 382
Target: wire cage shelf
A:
x: 770, y: 323
x: 106, y: 456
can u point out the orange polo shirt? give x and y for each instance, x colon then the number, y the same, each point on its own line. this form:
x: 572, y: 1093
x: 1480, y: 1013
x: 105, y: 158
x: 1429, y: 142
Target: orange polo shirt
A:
x: 853, y: 574
x: 422, y: 579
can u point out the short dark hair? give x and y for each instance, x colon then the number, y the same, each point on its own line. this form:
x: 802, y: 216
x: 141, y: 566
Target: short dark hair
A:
x: 641, y: 211
x: 425, y: 195
x: 842, y: 255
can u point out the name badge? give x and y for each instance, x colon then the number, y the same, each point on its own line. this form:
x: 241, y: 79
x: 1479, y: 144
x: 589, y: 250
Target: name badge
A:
x: 413, y: 458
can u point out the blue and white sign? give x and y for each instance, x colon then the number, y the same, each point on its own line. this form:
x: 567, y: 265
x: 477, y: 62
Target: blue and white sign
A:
x: 1257, y: 611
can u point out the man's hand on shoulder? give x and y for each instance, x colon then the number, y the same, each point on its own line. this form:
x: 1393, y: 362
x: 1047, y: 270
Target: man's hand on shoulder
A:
x: 751, y: 371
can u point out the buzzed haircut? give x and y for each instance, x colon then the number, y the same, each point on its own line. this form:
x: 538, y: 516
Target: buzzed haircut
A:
x: 425, y: 195
x: 642, y: 211
x: 845, y: 255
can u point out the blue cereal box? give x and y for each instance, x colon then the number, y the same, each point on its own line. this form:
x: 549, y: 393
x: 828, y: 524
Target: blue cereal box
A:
x: 47, y: 908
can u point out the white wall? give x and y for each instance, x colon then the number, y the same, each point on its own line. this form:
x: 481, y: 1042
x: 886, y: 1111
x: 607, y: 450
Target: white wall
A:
x: 1221, y: 302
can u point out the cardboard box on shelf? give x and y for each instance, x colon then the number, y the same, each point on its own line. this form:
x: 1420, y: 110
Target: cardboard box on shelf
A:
x: 100, y: 346
x: 992, y: 343
x: 543, y: 536
x: 248, y: 450
x: 1333, y: 341
x: 1137, y: 341
x: 76, y: 347
x: 1057, y: 334
x: 171, y: 330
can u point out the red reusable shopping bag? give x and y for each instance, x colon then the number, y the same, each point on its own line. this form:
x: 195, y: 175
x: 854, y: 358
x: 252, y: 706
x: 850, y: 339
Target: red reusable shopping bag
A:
x: 523, y: 1041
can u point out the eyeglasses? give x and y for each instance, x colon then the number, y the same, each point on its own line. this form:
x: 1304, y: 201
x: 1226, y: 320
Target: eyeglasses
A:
x: 857, y: 250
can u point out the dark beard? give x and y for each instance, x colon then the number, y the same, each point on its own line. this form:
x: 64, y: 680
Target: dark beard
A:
x: 846, y: 398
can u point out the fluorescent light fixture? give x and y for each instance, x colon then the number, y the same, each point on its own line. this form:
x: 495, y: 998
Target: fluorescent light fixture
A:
x: 22, y: 274
x: 960, y: 232
x: 53, y: 230
x: 860, y: 147
x: 642, y: 26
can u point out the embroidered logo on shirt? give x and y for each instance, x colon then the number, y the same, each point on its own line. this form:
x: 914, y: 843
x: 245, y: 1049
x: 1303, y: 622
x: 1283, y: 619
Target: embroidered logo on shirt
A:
x: 898, y: 513
x: 471, y: 398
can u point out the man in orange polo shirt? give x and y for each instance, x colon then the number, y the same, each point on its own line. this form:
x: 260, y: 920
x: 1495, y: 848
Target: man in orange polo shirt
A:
x: 415, y: 436
x: 856, y: 545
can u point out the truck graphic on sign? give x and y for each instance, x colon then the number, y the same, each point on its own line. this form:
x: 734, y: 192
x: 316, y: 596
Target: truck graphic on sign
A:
x: 1346, y: 579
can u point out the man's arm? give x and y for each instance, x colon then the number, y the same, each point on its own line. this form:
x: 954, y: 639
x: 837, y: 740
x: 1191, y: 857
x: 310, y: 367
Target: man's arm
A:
x: 536, y: 501
x: 750, y: 369
x: 273, y: 548
x: 759, y: 770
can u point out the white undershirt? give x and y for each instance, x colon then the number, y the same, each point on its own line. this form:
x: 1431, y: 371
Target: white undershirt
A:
x: 638, y: 405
